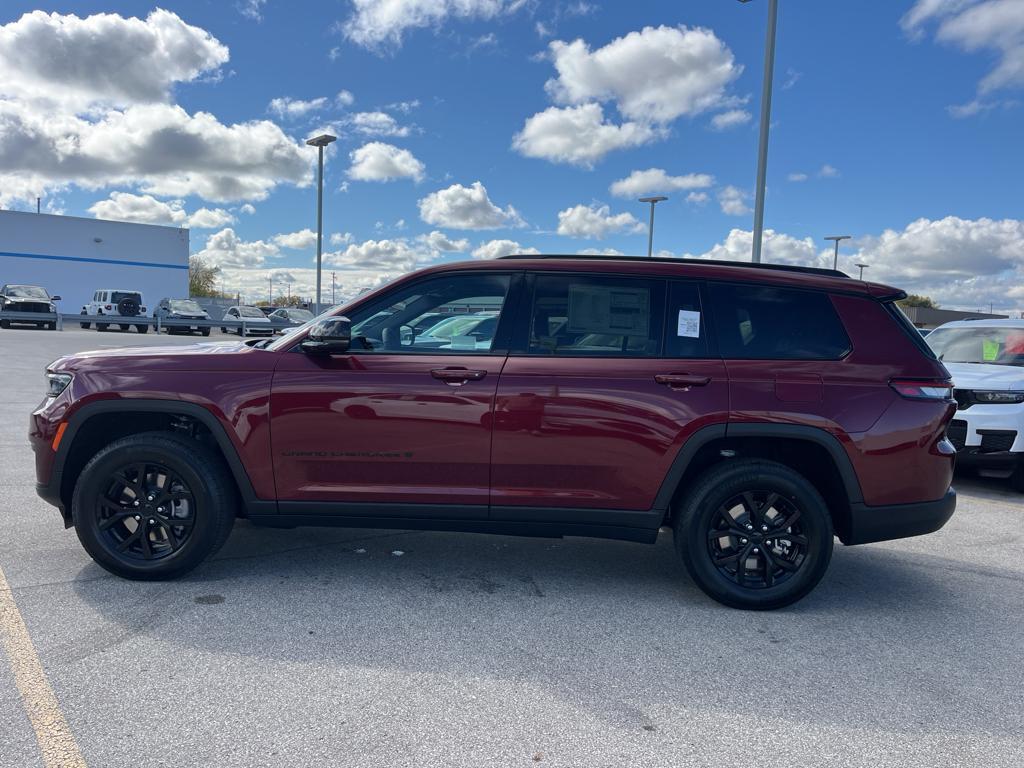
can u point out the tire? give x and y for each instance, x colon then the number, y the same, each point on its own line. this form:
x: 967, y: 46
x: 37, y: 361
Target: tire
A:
x: 101, y: 326
x: 86, y: 326
x: 223, y: 330
x: 206, y: 331
x: 50, y: 326
x: 1017, y: 478
x: 5, y: 323
x: 206, y: 508
x: 142, y: 328
x: 806, y: 543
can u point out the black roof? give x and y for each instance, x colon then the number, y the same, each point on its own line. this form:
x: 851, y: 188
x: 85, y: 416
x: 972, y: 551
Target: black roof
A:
x: 665, y: 259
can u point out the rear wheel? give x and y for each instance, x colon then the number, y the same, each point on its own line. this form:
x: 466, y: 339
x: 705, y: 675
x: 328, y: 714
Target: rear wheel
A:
x: 142, y: 328
x: 86, y: 326
x: 206, y: 331
x: 754, y: 534
x: 101, y: 326
x: 153, y: 506
x: 5, y: 323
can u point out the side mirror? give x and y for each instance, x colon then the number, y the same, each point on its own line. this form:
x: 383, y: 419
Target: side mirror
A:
x: 55, y: 298
x: 329, y: 337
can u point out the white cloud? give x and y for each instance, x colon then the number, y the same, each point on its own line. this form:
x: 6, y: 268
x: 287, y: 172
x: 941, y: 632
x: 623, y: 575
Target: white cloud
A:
x: 377, y: 24
x: 656, y: 181
x: 286, y: 107
x: 377, y: 124
x: 595, y: 222
x: 495, y: 249
x: 439, y: 242
x: 776, y: 248
x: 797, y: 177
x: 377, y: 161
x: 976, y: 25
x: 344, y: 98
x: 654, y: 75
x: 398, y: 255
x: 459, y: 207
x: 792, y: 78
x: 298, y: 241
x: 85, y: 104
x: 828, y: 172
x: 341, y: 238
x: 226, y: 249
x: 248, y: 209
x: 726, y: 120
x: 578, y: 135
x: 104, y: 58
x: 146, y: 209
x: 697, y: 198
x: 602, y: 252
x: 251, y: 9
x: 733, y: 201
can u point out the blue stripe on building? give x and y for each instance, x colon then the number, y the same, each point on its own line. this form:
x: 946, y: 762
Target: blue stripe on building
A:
x: 89, y: 260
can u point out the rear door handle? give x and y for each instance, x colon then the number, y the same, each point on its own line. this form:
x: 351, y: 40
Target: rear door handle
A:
x: 681, y: 380
x: 457, y: 376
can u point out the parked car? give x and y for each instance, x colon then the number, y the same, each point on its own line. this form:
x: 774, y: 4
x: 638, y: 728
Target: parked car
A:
x: 121, y: 306
x: 293, y: 316
x: 267, y: 310
x: 755, y: 410
x: 182, y: 309
x: 256, y: 323
x: 986, y: 360
x: 28, y: 298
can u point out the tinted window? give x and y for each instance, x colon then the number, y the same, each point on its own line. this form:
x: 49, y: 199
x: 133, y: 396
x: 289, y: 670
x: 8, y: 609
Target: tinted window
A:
x: 762, y: 323
x: 464, y: 309
x: 685, y: 330
x: 581, y: 315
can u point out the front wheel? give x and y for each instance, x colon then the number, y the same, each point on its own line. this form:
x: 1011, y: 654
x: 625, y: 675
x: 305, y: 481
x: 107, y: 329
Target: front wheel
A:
x: 101, y: 326
x: 153, y: 506
x: 206, y: 331
x: 141, y: 328
x: 754, y: 534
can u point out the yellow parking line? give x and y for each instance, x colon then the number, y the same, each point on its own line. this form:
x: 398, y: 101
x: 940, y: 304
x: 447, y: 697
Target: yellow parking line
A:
x: 55, y: 740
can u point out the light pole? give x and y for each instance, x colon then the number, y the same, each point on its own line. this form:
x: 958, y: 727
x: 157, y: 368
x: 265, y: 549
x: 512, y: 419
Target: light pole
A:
x: 333, y: 302
x: 270, y: 279
x: 862, y: 267
x: 837, y: 238
x: 766, y: 113
x: 320, y: 142
x: 650, y: 229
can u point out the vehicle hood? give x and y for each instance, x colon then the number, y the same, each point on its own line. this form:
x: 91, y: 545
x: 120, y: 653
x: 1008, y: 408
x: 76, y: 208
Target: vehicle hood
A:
x: 984, y: 376
x: 204, y: 356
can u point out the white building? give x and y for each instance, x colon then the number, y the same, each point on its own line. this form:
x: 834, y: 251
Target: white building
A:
x: 72, y: 257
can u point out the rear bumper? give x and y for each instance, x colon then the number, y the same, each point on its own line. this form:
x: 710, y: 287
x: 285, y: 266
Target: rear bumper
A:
x: 898, y: 521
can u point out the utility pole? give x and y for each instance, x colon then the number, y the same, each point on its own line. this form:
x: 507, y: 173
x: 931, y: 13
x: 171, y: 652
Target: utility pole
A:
x: 320, y: 142
x: 837, y: 238
x: 650, y: 228
x: 333, y: 302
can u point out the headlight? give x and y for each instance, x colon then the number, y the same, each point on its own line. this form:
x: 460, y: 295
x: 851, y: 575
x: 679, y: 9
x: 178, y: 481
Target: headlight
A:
x: 57, y: 383
x: 1010, y: 396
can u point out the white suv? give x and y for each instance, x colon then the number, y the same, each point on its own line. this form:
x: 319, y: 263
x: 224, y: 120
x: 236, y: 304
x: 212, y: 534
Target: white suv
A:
x: 986, y: 360
x: 125, y: 308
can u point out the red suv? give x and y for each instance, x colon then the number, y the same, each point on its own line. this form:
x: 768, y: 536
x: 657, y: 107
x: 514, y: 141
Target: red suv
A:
x: 756, y: 410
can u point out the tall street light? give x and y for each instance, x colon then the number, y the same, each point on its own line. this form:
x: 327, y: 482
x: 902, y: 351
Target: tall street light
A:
x: 320, y: 142
x: 650, y: 229
x: 862, y: 267
x: 766, y: 113
x: 837, y: 238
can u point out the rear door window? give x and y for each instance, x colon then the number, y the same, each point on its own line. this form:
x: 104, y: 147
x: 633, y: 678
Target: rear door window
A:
x: 686, y: 334
x: 595, y: 316
x: 755, y: 322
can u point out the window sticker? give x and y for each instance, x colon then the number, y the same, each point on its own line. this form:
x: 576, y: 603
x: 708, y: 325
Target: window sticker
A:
x: 989, y: 350
x: 689, y: 324
x: 600, y: 309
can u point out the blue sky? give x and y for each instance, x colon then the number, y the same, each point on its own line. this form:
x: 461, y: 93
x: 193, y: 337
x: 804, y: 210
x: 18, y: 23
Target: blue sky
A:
x: 896, y: 122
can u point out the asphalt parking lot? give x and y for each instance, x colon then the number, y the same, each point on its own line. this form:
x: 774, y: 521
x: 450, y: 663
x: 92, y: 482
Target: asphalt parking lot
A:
x: 327, y: 647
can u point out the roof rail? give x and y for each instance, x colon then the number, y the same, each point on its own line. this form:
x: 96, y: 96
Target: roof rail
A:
x: 667, y: 260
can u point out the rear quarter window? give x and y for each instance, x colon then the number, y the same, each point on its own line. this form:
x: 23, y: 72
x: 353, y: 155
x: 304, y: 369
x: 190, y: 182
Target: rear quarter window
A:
x: 756, y: 322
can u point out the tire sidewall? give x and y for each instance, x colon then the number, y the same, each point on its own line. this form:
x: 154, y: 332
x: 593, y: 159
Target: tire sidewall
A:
x: 91, y: 483
x: 695, y: 522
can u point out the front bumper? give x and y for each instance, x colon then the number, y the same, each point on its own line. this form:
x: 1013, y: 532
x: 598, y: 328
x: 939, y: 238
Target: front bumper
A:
x: 984, y: 442
x: 898, y: 521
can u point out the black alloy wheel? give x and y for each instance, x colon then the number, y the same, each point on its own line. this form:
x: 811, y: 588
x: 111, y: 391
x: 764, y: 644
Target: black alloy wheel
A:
x: 146, y: 511
x: 756, y: 539
x: 753, y: 533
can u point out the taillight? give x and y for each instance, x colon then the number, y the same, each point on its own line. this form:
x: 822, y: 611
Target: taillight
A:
x: 108, y: 307
x: 923, y: 390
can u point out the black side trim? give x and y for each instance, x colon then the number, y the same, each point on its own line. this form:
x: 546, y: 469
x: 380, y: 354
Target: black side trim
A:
x: 502, y: 528
x: 898, y: 521
x: 697, y: 440
x: 647, y: 519
x: 812, y: 434
x: 380, y: 510
x: 52, y: 491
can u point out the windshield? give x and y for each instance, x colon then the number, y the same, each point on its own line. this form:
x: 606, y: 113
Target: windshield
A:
x: 249, y: 312
x: 186, y: 306
x: 989, y: 345
x: 27, y: 292
x: 300, y: 314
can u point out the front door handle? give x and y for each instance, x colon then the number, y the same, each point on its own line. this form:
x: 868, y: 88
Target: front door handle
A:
x: 681, y: 380
x: 457, y: 376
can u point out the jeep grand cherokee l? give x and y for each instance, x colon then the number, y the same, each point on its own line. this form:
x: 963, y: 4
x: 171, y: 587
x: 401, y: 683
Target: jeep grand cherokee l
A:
x: 757, y: 411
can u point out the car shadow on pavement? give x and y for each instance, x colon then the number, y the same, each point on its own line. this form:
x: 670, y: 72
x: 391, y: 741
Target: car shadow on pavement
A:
x: 584, y: 619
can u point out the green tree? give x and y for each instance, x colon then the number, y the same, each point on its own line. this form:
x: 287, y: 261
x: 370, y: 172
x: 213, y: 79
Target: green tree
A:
x: 913, y: 300
x: 202, y: 278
